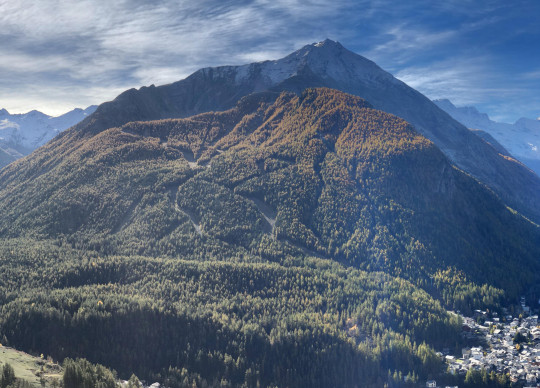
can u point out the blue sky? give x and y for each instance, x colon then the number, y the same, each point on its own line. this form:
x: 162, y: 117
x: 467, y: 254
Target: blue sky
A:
x: 56, y: 55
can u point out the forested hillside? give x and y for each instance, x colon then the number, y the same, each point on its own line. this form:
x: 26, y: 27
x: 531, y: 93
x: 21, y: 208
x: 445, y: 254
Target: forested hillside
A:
x: 313, y: 323
x: 291, y: 241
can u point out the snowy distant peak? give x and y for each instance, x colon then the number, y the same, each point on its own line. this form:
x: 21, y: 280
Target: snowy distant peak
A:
x: 447, y: 104
x: 36, y: 113
x: 529, y: 124
x: 521, y: 139
x: 32, y: 113
x: 444, y: 102
x: 75, y: 114
x: 25, y: 132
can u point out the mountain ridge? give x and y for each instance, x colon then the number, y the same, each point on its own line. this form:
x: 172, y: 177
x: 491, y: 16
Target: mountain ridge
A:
x: 212, y: 89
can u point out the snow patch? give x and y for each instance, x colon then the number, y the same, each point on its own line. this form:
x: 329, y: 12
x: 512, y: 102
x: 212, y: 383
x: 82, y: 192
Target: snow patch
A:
x: 6, y: 124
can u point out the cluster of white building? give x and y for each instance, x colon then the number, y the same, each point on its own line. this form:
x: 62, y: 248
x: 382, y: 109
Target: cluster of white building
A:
x: 521, y: 361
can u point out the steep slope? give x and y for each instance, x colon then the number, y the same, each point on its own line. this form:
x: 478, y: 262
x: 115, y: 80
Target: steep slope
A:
x: 492, y: 142
x: 20, y: 134
x: 326, y: 64
x: 521, y: 139
x: 290, y: 233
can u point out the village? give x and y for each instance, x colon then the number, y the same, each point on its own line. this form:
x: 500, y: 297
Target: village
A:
x: 510, y: 345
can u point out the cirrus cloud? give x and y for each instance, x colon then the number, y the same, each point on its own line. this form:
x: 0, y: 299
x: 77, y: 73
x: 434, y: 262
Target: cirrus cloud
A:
x: 56, y: 55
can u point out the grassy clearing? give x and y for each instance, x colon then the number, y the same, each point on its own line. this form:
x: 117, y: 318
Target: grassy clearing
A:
x: 30, y: 368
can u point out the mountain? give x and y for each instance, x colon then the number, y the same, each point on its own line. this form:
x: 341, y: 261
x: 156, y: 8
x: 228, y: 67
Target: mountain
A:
x: 327, y: 64
x: 290, y: 162
x: 20, y: 134
x: 241, y: 228
x: 521, y: 139
x: 306, y: 233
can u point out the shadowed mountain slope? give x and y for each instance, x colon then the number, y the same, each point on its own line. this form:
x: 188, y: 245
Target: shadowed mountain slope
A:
x: 521, y: 138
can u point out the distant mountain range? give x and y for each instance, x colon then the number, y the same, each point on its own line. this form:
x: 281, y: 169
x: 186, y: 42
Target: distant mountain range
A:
x: 521, y: 139
x: 20, y: 134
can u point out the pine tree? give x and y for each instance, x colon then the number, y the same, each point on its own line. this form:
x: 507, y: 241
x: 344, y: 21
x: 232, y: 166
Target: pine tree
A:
x: 134, y: 382
x: 8, y: 376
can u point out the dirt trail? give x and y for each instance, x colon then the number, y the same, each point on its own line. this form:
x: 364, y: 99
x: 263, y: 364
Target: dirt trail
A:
x: 192, y: 218
x: 127, y: 216
x: 267, y: 212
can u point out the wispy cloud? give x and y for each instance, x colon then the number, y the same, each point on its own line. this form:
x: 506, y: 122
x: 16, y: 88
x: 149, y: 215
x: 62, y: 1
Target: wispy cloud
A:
x: 531, y: 75
x: 97, y: 43
x: 403, y: 42
x: 472, y: 82
x: 457, y: 80
x: 57, y: 54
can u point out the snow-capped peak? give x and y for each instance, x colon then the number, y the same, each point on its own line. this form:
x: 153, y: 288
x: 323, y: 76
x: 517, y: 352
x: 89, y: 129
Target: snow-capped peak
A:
x: 468, y: 114
x: 27, y: 131
x: 327, y: 59
x: 327, y: 43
